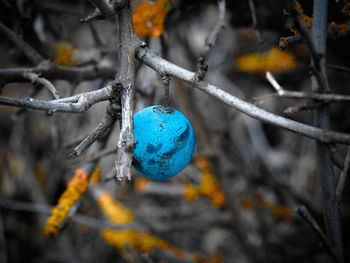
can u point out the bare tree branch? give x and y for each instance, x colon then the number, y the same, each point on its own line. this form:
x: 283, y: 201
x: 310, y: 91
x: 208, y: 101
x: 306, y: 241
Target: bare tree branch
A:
x: 3, y: 254
x: 338, y: 68
x: 166, y: 67
x: 304, y: 213
x: 34, y: 78
x: 303, y: 95
x: 285, y: 42
x: 137, y: 256
x: 166, y: 82
x: 337, y: 160
x: 307, y: 106
x: 93, y: 16
x: 319, y: 47
x: 104, y: 7
x: 128, y: 43
x: 100, y: 131
x: 42, y: 105
x: 75, y: 104
x: 101, y: 154
x: 316, y: 54
x: 213, y: 36
x: 343, y: 176
x: 202, y: 69
x: 158, y: 188
x: 95, y: 96
x: 255, y: 21
x: 53, y: 72
x: 31, y: 54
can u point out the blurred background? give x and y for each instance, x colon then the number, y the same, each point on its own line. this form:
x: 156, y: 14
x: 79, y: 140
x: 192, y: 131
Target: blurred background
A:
x: 234, y: 202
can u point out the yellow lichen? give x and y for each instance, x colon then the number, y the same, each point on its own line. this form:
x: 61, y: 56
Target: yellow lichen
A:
x: 77, y: 186
x: 66, y: 54
x: 273, y: 60
x: 113, y: 210
x: 208, y: 186
x: 140, y: 241
x: 278, y: 210
x: 191, y: 192
x: 96, y: 174
x: 141, y: 184
x: 148, y: 18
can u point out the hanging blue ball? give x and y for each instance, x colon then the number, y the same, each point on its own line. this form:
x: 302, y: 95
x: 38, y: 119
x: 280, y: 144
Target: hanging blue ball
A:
x: 165, y: 142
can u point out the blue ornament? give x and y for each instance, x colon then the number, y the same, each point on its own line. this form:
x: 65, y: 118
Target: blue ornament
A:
x: 165, y: 142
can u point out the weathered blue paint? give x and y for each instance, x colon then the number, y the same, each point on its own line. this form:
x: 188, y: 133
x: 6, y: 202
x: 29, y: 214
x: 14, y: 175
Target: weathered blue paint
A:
x: 165, y: 142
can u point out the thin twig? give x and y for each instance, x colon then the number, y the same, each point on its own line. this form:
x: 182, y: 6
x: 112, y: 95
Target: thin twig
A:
x: 317, y: 55
x: 34, y: 78
x: 304, y: 213
x: 160, y: 255
x: 338, y: 68
x: 112, y: 114
x: 343, y: 176
x: 102, y: 94
x: 202, y: 69
x: 307, y: 106
x: 31, y: 54
x: 75, y: 104
x: 96, y: 14
x: 165, y: 67
x: 3, y: 254
x: 166, y: 82
x: 213, y: 36
x: 104, y: 8
x: 42, y: 105
x: 95, y: 35
x: 53, y: 72
x: 157, y: 188
x: 97, y: 156
x: 327, y: 97
x: 337, y: 160
x: 136, y: 256
x: 285, y: 42
x: 255, y: 21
